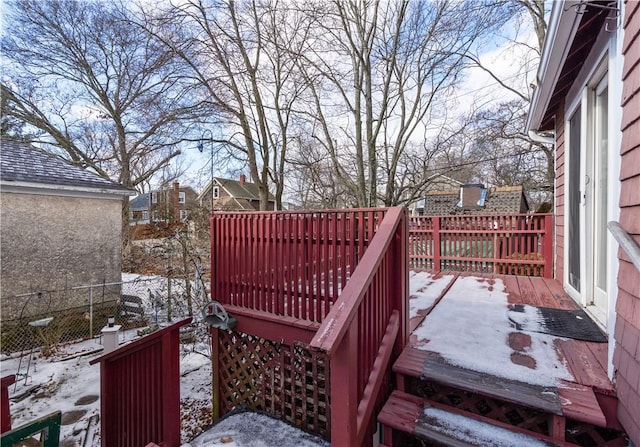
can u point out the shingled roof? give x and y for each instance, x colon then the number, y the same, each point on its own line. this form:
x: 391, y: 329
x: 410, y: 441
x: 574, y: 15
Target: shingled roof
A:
x: 501, y: 200
x: 24, y: 165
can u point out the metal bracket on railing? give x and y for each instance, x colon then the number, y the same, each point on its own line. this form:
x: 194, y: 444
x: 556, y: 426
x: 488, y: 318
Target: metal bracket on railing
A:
x: 627, y: 243
x: 216, y: 316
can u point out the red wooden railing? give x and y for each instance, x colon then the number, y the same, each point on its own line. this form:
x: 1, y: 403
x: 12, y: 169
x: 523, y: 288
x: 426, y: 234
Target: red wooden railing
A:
x: 335, y: 281
x: 5, y: 415
x: 518, y: 244
x: 289, y: 264
x: 140, y: 391
x: 365, y: 327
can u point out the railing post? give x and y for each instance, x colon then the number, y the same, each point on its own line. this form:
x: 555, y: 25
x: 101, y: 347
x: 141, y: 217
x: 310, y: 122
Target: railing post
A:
x: 171, y: 386
x: 344, y: 388
x: 5, y: 383
x: 401, y: 279
x: 436, y: 243
x: 547, y: 248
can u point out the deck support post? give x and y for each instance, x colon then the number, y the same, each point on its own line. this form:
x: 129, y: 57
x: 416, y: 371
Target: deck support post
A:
x: 558, y: 427
x: 344, y: 389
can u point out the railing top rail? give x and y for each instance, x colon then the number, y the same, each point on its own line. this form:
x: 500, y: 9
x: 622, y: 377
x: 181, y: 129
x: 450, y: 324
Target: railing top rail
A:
x: 345, y: 309
x: 285, y: 212
x: 140, y: 343
x: 627, y: 243
x: 487, y: 215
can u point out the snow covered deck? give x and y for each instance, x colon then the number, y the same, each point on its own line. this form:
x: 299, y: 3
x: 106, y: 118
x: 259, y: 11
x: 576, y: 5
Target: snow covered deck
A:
x: 464, y: 334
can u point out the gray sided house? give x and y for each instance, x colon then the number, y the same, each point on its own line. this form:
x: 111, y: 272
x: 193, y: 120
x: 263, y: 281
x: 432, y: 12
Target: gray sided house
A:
x: 60, y: 228
x: 166, y: 205
x: 475, y: 199
x: 233, y: 195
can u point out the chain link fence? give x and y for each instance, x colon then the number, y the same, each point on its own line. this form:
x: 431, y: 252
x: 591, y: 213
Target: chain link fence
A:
x: 47, y: 319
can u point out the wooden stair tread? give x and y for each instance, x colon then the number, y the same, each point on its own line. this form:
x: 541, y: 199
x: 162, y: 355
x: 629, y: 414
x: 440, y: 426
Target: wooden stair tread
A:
x: 452, y: 427
x: 430, y: 366
x: 580, y: 402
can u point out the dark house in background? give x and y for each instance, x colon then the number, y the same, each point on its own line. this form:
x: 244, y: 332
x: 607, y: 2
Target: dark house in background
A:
x: 476, y: 199
x: 139, y: 210
x: 163, y: 205
x: 233, y: 195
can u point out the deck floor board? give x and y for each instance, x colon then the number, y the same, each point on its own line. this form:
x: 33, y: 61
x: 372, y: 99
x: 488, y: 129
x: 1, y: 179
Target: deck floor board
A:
x: 585, y: 360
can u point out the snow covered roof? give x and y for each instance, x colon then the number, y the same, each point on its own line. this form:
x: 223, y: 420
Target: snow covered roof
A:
x: 22, y: 165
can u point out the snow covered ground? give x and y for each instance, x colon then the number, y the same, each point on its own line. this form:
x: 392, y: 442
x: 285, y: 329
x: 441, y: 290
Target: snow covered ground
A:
x: 469, y: 328
x: 66, y: 382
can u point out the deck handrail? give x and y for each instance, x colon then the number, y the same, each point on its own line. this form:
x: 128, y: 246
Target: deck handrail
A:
x: 519, y: 244
x: 150, y: 366
x: 289, y: 264
x: 367, y: 324
x: 344, y: 310
x: 627, y: 243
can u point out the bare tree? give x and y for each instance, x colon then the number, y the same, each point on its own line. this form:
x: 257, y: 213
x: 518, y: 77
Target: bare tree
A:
x: 378, y: 74
x: 94, y: 88
x: 506, y: 154
x: 236, y: 56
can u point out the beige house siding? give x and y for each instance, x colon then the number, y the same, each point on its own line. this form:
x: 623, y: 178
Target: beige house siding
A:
x: 78, y: 243
x: 626, y: 358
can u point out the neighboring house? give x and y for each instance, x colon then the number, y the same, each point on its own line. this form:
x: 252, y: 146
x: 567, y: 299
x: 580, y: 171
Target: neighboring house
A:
x: 163, y: 205
x: 476, y: 199
x: 437, y: 182
x: 233, y: 195
x: 588, y: 98
x: 61, y: 227
x: 139, y: 210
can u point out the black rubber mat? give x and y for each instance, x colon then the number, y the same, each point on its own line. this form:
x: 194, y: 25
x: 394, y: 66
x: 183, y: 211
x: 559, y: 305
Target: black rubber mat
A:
x: 574, y: 324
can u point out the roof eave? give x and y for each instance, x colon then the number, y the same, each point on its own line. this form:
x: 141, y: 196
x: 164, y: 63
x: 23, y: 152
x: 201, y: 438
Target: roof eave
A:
x: 563, y: 25
x: 10, y: 185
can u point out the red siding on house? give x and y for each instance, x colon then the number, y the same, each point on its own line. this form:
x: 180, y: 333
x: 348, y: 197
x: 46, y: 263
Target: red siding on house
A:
x: 626, y: 358
x: 559, y: 199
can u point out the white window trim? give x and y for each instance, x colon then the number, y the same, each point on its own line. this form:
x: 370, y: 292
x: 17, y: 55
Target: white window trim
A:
x: 182, y: 197
x: 608, y: 63
x: 215, y: 191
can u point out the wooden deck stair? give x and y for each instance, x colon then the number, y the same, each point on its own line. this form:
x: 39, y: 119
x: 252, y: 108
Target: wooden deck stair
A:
x: 543, y: 413
x: 580, y: 413
x: 406, y: 412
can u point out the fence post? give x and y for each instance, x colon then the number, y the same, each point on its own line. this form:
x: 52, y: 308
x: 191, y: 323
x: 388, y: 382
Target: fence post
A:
x: 547, y: 247
x: 436, y: 243
x: 90, y: 312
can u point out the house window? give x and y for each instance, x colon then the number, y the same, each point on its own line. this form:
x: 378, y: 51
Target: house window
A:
x: 155, y: 216
x: 183, y: 214
x: 182, y: 197
x: 145, y: 215
x: 216, y: 192
x: 472, y: 196
x: 154, y: 197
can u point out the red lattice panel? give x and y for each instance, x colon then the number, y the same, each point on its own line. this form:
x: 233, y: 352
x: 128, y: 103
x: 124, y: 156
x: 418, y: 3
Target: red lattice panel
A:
x: 506, y: 412
x: 288, y: 382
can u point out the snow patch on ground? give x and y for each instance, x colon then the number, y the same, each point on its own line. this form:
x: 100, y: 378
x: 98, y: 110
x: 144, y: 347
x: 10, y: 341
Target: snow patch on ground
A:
x: 470, y: 328
x: 251, y: 429
x: 424, y: 290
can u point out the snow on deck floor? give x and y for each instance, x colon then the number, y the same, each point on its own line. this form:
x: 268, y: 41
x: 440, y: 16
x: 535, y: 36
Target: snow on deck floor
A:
x: 424, y: 290
x: 470, y: 328
x: 469, y: 430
